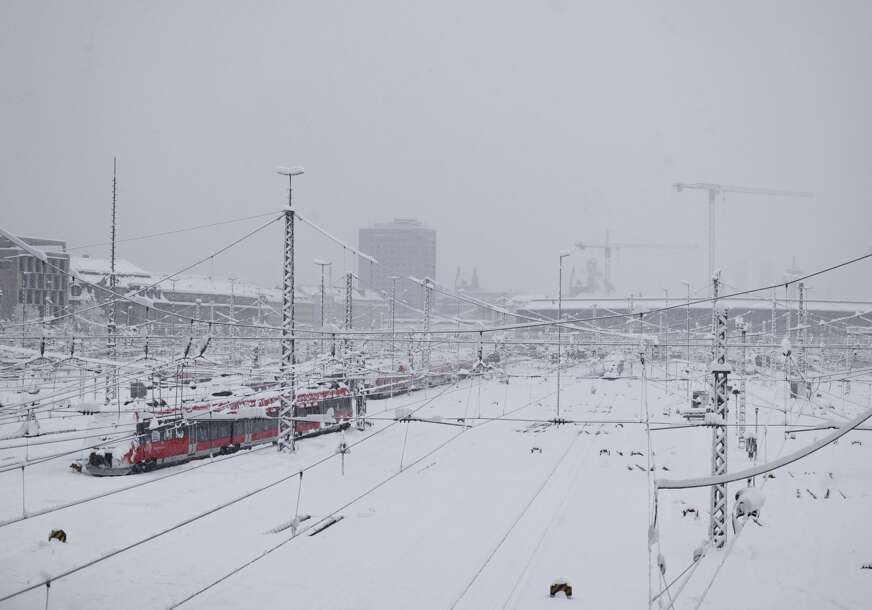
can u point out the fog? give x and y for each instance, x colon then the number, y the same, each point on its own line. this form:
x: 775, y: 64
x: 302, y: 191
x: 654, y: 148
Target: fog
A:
x: 513, y: 129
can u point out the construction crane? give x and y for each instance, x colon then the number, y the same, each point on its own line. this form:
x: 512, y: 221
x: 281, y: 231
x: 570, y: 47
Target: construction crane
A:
x: 610, y: 246
x: 720, y: 189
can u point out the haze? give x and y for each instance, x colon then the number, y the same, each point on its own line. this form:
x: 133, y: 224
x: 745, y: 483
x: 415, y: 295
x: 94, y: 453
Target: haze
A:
x: 513, y: 129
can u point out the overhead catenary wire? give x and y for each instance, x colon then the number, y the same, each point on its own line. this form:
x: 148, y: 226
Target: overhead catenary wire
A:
x: 331, y: 514
x: 55, y: 508
x: 129, y: 297
x: 201, y: 515
x: 515, y: 522
x: 174, y: 231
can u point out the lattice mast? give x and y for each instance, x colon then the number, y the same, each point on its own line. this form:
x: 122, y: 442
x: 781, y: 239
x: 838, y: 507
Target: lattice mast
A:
x: 742, y: 326
x: 112, y: 343
x: 428, y: 312
x: 718, y: 418
x: 288, y: 340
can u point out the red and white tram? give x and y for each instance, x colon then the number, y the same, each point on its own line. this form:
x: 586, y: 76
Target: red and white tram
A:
x: 168, y: 436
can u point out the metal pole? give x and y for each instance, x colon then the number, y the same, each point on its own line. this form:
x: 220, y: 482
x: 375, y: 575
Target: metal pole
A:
x: 666, y: 337
x: 773, y: 362
x: 349, y: 287
x: 288, y: 341
x: 712, y: 193
x: 232, y: 329
x: 322, y: 264
x: 394, y: 279
x: 428, y: 306
x: 802, y: 319
x: 687, y: 334
x: 559, y: 325
x: 740, y: 412
x: 720, y: 370
x: 111, y: 389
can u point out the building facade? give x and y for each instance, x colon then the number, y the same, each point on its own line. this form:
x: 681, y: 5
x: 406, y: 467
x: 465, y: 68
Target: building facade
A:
x: 159, y: 299
x: 32, y: 287
x: 403, y: 248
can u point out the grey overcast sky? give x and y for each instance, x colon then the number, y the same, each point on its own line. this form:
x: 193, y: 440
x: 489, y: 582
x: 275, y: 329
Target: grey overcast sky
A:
x: 513, y: 128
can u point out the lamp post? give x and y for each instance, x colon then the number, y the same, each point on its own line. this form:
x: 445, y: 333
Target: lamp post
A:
x: 288, y: 342
x: 563, y: 254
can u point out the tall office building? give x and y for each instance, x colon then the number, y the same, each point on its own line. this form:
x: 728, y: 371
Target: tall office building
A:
x: 403, y: 247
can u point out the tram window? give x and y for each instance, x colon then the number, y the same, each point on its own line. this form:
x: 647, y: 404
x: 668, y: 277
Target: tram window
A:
x: 202, y: 433
x: 155, y: 436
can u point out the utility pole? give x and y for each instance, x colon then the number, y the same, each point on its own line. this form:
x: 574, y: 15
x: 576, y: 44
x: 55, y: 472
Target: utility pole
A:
x: 112, y: 382
x: 394, y: 279
x: 196, y: 321
x: 773, y: 323
x: 742, y: 326
x: 288, y: 342
x: 428, y: 311
x: 563, y: 255
x: 665, y: 337
x: 349, y: 292
x: 802, y: 322
x: 323, y: 265
x: 720, y: 371
x: 687, y: 337
x: 594, y: 336
x: 232, y: 312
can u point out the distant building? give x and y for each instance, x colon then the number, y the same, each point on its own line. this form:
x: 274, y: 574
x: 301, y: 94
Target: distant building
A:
x: 403, y: 248
x: 30, y: 286
x: 212, y: 299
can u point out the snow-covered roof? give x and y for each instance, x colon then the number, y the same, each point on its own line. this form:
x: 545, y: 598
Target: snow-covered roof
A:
x: 642, y: 304
x: 86, y: 265
x: 197, y: 284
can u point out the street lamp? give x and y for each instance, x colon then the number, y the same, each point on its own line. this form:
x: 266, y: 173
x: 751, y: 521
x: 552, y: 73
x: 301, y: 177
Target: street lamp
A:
x: 563, y: 254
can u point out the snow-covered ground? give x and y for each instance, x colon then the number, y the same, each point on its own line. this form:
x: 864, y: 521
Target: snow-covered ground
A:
x: 484, y: 516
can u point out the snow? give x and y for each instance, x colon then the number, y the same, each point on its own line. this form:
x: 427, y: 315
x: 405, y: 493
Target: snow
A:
x: 418, y: 539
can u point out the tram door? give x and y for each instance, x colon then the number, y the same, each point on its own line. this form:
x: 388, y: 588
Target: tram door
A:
x: 192, y: 439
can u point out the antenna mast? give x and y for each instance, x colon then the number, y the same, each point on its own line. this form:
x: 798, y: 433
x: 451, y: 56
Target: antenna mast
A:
x: 112, y: 381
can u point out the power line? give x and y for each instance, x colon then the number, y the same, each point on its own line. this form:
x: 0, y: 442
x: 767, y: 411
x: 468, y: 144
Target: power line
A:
x: 174, y: 231
x: 206, y: 513
x: 280, y: 544
x: 515, y: 522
